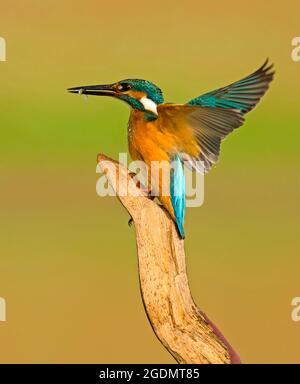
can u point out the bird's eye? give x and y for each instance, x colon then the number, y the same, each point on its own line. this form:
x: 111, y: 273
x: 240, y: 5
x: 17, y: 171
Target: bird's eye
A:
x: 123, y: 87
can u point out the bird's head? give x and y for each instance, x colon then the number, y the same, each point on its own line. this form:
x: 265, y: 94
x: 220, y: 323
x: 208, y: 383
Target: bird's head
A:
x: 139, y: 94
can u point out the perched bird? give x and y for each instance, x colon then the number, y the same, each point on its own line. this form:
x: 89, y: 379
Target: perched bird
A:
x: 177, y: 133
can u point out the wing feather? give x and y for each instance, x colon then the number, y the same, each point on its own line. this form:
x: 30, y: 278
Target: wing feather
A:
x: 211, y: 117
x: 243, y: 94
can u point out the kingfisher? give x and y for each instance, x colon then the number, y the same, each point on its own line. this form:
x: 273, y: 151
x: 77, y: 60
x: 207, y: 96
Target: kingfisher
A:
x: 182, y: 134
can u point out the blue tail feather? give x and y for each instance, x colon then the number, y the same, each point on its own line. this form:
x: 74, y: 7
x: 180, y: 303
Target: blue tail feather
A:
x: 177, y: 192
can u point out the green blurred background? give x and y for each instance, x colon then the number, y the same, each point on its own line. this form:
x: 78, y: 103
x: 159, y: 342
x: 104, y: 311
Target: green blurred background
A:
x: 68, y: 267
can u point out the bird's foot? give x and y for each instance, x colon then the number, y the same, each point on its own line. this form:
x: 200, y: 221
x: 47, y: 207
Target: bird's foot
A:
x: 130, y: 222
x: 145, y: 190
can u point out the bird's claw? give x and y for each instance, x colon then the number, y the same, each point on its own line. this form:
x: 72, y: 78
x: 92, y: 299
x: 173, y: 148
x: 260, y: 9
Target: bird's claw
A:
x: 144, y: 189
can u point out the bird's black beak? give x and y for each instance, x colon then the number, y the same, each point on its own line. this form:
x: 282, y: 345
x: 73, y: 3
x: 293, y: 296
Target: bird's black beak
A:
x: 95, y: 90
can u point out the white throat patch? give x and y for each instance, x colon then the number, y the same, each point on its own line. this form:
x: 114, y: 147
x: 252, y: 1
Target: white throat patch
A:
x: 149, y: 105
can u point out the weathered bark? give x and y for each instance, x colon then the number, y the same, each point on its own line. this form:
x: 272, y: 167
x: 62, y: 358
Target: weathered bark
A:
x: 178, y: 323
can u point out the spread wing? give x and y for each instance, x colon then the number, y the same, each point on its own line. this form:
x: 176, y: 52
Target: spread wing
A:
x: 210, y: 125
x: 195, y: 133
x: 242, y: 95
x: 211, y: 117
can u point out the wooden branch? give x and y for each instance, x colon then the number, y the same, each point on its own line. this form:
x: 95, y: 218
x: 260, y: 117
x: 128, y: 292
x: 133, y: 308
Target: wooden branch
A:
x: 182, y: 328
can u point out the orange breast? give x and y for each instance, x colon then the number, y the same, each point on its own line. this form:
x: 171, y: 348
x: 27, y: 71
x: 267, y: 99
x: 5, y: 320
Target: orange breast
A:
x: 158, y: 141
x: 162, y: 138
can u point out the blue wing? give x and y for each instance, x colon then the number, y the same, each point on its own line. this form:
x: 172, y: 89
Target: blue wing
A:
x: 242, y: 95
x: 177, y: 192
